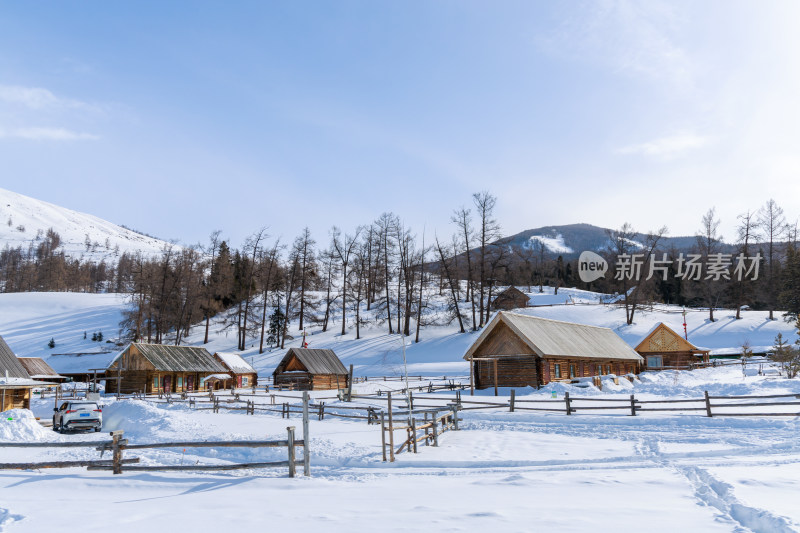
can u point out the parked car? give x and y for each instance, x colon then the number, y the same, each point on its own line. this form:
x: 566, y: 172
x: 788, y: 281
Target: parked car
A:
x: 77, y: 415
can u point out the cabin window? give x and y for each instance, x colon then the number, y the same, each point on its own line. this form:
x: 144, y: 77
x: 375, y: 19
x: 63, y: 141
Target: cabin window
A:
x: 155, y: 382
x: 608, y: 369
x: 572, y: 371
x: 180, y: 382
x: 654, y: 361
x: 244, y: 381
x: 557, y: 370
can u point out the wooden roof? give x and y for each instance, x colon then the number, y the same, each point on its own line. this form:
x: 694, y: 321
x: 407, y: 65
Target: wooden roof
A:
x: 37, y: 368
x: 315, y: 361
x: 553, y: 338
x: 512, y: 292
x: 167, y: 358
x: 663, y: 339
x: 235, y: 363
x: 9, y: 363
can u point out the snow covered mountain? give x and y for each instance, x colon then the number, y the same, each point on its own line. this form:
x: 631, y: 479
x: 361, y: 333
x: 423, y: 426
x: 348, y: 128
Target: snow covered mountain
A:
x: 25, y: 221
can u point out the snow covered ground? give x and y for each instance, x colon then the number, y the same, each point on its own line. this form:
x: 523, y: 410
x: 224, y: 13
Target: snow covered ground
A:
x: 517, y: 471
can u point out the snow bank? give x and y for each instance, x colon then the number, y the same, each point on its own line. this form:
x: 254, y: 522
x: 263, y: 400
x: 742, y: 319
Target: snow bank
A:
x: 20, y: 425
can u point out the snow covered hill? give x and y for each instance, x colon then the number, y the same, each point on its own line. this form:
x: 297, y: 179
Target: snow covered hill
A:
x: 25, y: 221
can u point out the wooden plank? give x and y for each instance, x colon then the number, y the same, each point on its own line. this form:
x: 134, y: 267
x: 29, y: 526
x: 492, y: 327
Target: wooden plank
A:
x: 176, y: 468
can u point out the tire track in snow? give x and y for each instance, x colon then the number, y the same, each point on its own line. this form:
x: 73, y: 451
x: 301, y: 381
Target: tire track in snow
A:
x: 716, y: 493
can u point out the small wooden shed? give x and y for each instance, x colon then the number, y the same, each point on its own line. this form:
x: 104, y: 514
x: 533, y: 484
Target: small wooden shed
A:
x: 241, y: 372
x: 663, y: 348
x: 154, y: 368
x: 15, y: 382
x: 310, y: 369
x: 511, y: 298
x: 40, y: 371
x: 516, y: 350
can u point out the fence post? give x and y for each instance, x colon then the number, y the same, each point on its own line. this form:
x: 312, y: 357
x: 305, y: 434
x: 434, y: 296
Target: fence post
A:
x: 633, y: 406
x: 567, y: 401
x: 435, y: 426
x: 511, y: 403
x: 306, y: 442
x: 414, y: 434
x: 391, y: 425
x: 290, y: 439
x: 708, y: 404
x: 116, y: 451
x: 350, y: 384
x: 455, y: 417
x: 383, y: 436
x: 410, y: 399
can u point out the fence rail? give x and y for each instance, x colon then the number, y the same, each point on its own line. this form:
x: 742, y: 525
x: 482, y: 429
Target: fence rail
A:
x: 118, y: 445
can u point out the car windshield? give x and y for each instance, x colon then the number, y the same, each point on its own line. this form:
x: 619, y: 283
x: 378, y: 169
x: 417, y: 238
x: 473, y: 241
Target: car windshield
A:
x: 83, y: 406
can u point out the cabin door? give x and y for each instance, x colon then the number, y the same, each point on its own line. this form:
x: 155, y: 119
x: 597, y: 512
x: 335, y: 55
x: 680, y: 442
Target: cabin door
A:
x: 167, y: 384
x: 239, y: 381
x: 190, y: 383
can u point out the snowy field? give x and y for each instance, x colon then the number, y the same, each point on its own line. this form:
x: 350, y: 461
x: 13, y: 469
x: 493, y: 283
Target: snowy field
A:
x: 516, y: 471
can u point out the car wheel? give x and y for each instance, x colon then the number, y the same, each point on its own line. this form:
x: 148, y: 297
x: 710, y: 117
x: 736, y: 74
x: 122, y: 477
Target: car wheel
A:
x: 55, y: 427
x: 61, y: 428
x: 97, y: 429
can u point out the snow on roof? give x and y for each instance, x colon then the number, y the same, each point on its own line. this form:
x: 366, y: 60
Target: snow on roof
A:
x: 81, y: 363
x: 235, y: 363
x: 222, y: 377
x: 554, y: 338
x: 12, y: 383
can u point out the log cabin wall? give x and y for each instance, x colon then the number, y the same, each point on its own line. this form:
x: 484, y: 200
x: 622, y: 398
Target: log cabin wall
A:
x: 511, y: 372
x: 502, y: 341
x: 15, y: 399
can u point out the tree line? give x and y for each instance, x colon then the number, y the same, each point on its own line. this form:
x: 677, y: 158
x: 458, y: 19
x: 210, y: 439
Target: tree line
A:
x: 382, y: 273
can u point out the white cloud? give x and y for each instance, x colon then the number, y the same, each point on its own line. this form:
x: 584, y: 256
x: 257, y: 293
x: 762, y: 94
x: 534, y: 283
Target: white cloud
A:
x: 641, y: 39
x: 46, y: 134
x: 37, y: 98
x: 670, y: 146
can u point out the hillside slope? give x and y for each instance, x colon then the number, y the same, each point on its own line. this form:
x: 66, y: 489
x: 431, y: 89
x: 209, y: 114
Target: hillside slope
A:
x: 25, y: 221
x: 29, y: 320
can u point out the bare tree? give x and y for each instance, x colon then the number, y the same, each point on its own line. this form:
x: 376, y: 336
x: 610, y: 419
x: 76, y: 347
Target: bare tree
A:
x: 343, y: 245
x: 488, y: 232
x: 772, y: 225
x: 463, y: 220
x: 451, y: 281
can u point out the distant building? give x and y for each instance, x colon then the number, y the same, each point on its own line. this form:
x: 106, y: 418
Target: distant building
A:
x: 310, y: 369
x: 511, y: 298
x: 662, y: 348
x: 516, y: 350
x: 154, y: 368
x: 240, y: 372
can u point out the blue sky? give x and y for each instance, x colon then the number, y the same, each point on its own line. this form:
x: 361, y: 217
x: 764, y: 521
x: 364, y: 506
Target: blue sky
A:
x: 185, y: 117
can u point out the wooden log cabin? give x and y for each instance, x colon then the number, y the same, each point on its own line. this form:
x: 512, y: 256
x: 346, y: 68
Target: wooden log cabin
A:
x: 15, y: 382
x: 241, y: 373
x: 663, y: 348
x: 511, y: 298
x: 310, y: 369
x: 516, y: 350
x: 155, y: 368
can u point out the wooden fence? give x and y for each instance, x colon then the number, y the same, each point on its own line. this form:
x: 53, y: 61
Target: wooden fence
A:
x: 118, y: 445
x: 427, y: 430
